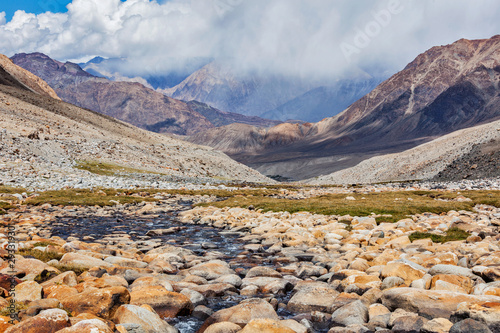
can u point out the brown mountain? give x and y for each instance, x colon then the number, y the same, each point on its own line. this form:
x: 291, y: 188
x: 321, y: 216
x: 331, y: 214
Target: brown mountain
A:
x: 444, y: 89
x: 128, y: 101
x: 53, y: 136
x: 15, y: 76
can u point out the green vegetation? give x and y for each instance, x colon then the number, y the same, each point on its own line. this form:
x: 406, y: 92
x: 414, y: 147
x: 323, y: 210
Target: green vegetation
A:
x: 5, y: 311
x: 397, y: 204
x: 453, y: 234
x: 108, y: 169
x: 84, y: 197
x: 4, y: 206
x: 66, y: 268
x: 45, y: 275
x: 43, y: 244
x: 226, y: 193
x: 40, y: 255
x: 11, y: 190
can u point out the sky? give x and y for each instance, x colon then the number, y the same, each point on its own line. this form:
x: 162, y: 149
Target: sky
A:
x: 299, y: 37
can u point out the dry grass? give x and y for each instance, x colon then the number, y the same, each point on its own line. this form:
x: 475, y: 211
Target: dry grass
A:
x: 4, y: 207
x: 84, y: 197
x: 11, y: 190
x: 73, y: 268
x: 453, y: 234
x: 108, y: 169
x: 40, y: 255
x: 397, y: 204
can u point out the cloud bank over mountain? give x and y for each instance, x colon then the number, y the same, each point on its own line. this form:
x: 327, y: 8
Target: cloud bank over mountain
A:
x: 299, y: 37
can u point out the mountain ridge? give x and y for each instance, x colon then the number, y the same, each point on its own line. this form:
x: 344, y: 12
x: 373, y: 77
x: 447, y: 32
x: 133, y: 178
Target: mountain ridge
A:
x: 128, y: 101
x: 444, y: 89
x: 52, y: 136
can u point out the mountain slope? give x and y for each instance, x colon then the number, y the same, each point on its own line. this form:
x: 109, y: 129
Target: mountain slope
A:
x: 444, y: 89
x: 131, y: 102
x: 228, y: 89
x: 324, y: 101
x: 17, y: 77
x: 439, y: 159
x: 51, y: 136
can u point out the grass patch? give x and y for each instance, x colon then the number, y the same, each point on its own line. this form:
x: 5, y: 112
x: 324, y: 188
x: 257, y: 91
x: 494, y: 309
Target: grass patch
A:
x: 108, y: 169
x: 84, y: 197
x: 44, y: 244
x: 45, y: 275
x: 453, y: 234
x: 4, y: 207
x: 397, y: 204
x: 11, y: 190
x: 66, y: 268
x: 18, y: 306
x: 40, y: 255
x: 225, y: 193
x: 106, y: 197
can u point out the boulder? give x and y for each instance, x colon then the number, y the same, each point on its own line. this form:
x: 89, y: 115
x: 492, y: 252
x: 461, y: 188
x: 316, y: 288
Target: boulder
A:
x: 40, y: 305
x: 211, y: 270
x: 83, y: 261
x: 469, y: 326
x: 262, y: 271
x: 402, y: 270
x: 223, y: 327
x: 28, y: 291
x: 452, y: 270
x: 264, y: 325
x: 165, y: 303
x: 243, y: 313
x: 149, y: 321
x: 159, y: 280
x: 487, y: 313
x: 312, y: 299
x: 125, y: 262
x: 100, y: 302
x: 88, y: 326
x: 67, y: 278
x: 409, y: 324
x: 437, y: 325
x: 429, y: 303
x: 27, y: 267
x: 48, y: 321
x: 350, y: 314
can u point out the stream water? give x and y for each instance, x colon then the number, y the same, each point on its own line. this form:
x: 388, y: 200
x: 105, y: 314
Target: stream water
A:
x: 189, y: 236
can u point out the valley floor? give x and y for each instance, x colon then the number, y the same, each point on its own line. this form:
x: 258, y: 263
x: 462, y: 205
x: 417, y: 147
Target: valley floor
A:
x: 387, y: 258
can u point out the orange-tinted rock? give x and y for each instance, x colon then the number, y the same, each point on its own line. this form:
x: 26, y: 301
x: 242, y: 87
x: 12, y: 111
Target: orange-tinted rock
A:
x: 48, y: 321
x: 266, y: 326
x: 402, y: 270
x: 101, y: 302
x: 242, y: 313
x: 166, y: 303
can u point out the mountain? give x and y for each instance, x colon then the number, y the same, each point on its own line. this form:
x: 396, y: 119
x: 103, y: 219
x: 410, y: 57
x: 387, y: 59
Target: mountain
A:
x: 165, y: 74
x: 221, y: 118
x: 131, y: 102
x: 324, y: 101
x: 54, y: 135
x: 246, y: 139
x: 226, y: 88
x: 12, y: 75
x: 445, y: 89
x: 464, y: 154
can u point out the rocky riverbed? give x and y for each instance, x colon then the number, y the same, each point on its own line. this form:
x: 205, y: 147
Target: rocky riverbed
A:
x: 168, y: 267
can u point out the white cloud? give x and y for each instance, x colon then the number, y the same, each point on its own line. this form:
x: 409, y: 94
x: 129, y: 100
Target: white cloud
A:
x: 292, y: 36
